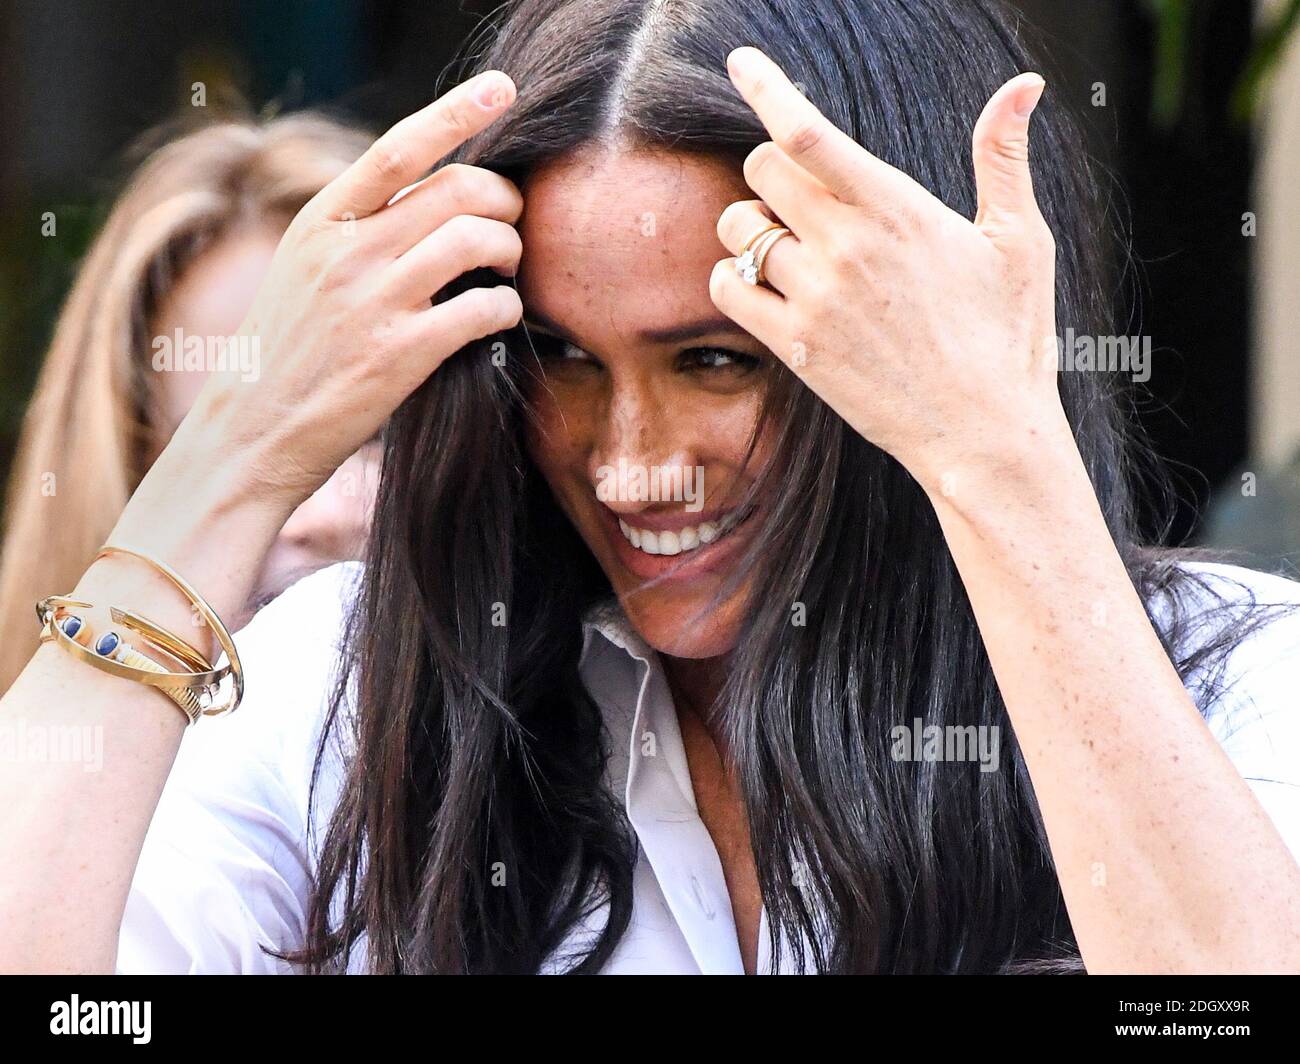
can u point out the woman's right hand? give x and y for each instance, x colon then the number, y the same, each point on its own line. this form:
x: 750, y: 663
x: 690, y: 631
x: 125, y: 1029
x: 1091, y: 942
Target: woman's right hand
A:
x: 345, y: 331
x: 343, y: 322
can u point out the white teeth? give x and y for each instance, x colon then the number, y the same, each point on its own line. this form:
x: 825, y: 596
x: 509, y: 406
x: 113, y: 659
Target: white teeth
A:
x: 672, y: 543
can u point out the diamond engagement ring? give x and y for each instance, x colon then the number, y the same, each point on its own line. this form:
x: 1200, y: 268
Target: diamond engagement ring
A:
x: 749, y: 264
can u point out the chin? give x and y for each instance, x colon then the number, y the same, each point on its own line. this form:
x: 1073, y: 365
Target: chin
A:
x: 686, y: 626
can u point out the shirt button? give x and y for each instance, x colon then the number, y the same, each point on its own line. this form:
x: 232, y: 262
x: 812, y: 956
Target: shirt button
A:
x: 701, y: 899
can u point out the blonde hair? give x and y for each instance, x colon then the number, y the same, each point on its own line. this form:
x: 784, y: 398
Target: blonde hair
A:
x: 85, y: 438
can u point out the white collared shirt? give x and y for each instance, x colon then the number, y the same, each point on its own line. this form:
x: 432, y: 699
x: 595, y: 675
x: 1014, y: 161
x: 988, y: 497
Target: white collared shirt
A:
x: 226, y: 866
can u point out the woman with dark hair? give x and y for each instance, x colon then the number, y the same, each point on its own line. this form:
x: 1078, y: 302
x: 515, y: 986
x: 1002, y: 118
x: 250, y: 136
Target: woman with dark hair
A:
x: 701, y: 604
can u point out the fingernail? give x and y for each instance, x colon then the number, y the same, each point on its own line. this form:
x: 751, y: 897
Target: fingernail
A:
x: 743, y: 60
x: 1027, y: 102
x: 493, y: 92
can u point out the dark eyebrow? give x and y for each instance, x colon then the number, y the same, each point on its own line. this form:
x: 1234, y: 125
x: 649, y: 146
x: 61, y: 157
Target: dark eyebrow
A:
x: 672, y: 334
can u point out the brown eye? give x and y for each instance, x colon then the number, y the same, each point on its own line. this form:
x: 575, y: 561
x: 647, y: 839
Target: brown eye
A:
x: 557, y: 354
x: 718, y: 358
x: 548, y: 346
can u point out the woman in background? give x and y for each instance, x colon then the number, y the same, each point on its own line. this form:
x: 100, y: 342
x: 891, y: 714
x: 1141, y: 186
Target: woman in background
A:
x: 181, y: 255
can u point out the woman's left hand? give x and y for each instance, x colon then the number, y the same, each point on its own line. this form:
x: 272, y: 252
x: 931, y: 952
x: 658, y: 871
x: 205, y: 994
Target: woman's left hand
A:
x: 931, y: 335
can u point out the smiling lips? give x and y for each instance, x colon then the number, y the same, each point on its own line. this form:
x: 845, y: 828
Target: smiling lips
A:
x: 689, y: 538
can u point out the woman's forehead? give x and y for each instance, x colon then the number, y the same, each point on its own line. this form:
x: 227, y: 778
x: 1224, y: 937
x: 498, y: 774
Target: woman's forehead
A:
x: 615, y: 226
x: 628, y: 197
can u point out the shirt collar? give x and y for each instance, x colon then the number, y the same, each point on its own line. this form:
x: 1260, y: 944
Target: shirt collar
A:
x: 607, y: 619
x: 625, y: 677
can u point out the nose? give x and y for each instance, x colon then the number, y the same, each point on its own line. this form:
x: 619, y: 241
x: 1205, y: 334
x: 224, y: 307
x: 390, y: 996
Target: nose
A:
x: 644, y: 441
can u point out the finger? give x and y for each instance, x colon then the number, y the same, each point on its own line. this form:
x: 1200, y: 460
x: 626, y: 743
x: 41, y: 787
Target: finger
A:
x: 741, y: 221
x: 792, y: 192
x: 807, y: 136
x: 737, y: 226
x: 449, y: 191
x: 444, y: 328
x: 466, y: 242
x: 412, y: 147
x: 1007, y: 206
x: 760, y: 311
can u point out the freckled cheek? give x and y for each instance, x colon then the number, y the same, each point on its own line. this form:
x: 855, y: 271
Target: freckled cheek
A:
x: 733, y: 427
x: 715, y: 432
x: 560, y: 435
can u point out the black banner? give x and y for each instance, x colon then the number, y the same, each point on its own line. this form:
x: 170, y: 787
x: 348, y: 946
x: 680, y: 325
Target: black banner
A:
x: 255, y: 1013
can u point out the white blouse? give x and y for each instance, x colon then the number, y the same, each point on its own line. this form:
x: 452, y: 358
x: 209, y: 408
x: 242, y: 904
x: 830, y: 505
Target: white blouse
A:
x: 226, y: 865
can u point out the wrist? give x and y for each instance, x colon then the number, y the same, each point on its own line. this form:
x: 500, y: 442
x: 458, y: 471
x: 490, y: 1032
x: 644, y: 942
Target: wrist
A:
x: 210, y: 523
x: 1005, y: 470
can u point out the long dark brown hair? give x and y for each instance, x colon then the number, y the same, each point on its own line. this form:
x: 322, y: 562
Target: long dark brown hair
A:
x: 473, y: 832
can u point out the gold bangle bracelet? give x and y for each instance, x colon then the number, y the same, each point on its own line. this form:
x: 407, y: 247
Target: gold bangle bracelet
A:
x: 196, y: 687
x: 233, y: 668
x: 187, y: 698
x: 185, y: 689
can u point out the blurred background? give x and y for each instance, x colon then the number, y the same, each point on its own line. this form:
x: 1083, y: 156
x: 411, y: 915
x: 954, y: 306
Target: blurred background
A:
x: 1192, y: 105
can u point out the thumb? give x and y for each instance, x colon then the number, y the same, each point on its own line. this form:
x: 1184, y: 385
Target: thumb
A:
x: 1001, y: 153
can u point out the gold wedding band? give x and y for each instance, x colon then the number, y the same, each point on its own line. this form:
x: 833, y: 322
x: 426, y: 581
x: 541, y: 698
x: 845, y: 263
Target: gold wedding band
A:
x: 753, y: 255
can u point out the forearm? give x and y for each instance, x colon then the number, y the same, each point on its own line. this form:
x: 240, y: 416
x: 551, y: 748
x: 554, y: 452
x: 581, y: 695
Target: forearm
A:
x: 345, y: 319
x: 73, y: 829
x: 1166, y: 860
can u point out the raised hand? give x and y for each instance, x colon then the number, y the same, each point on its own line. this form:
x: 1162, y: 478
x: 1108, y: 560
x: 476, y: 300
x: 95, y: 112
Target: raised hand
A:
x: 926, y: 331
x: 344, y: 321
